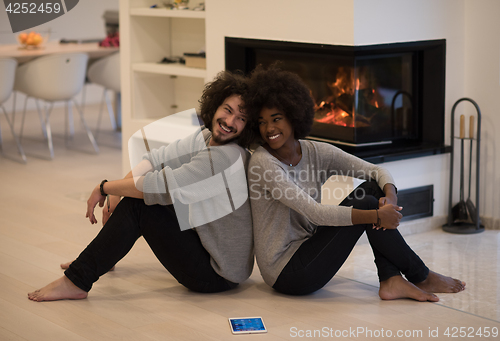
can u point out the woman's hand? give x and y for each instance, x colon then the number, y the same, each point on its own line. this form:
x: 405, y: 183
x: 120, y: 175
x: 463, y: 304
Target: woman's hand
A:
x: 387, y: 201
x: 95, y: 197
x: 107, y: 211
x: 390, y: 198
x: 389, y: 216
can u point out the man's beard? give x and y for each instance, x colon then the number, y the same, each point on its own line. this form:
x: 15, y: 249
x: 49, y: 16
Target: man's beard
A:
x: 217, y: 137
x: 218, y: 140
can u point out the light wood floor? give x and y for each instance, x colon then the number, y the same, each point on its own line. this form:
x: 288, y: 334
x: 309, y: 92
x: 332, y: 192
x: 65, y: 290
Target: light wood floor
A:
x: 42, y: 224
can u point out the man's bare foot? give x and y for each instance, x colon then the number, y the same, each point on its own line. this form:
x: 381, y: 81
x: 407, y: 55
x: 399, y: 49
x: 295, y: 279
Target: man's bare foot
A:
x: 64, y: 266
x: 60, y: 289
x: 398, y: 287
x: 438, y: 283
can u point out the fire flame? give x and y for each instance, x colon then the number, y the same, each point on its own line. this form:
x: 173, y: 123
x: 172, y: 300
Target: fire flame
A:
x: 338, y: 108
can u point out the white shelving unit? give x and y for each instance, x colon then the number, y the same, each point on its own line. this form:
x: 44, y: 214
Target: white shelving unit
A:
x: 151, y: 90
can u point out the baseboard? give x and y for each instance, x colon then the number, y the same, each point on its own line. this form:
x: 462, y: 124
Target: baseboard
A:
x: 491, y: 223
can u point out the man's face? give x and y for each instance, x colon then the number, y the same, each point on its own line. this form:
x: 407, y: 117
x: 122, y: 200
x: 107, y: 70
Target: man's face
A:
x: 229, y: 121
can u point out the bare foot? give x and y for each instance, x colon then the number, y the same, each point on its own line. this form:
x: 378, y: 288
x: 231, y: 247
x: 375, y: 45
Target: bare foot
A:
x: 60, y: 289
x: 64, y: 266
x: 398, y: 287
x: 438, y: 283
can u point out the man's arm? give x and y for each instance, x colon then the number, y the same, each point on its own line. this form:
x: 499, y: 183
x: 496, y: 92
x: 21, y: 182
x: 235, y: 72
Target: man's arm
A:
x: 125, y: 187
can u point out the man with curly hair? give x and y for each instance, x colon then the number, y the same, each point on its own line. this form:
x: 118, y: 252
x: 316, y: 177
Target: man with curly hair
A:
x: 217, y: 252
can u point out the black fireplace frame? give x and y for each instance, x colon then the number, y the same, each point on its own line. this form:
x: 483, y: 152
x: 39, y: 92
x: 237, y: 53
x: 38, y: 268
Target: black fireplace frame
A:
x: 429, y: 61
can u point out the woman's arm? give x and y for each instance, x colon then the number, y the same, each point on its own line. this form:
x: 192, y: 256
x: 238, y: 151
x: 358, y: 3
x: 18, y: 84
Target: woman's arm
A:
x: 388, y: 214
x: 390, y: 196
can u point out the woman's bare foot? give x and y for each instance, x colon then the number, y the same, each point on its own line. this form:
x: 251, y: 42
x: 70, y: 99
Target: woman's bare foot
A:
x: 64, y: 266
x: 398, y: 287
x: 60, y: 289
x: 438, y: 283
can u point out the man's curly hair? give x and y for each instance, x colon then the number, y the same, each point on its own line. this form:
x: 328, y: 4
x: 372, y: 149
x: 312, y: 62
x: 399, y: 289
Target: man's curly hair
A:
x: 223, y: 86
x: 284, y: 90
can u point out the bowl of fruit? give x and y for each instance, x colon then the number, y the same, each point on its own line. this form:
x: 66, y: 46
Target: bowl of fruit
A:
x: 31, y: 40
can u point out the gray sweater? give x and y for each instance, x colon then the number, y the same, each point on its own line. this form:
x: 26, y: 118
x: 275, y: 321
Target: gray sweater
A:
x: 286, y: 201
x: 208, y: 189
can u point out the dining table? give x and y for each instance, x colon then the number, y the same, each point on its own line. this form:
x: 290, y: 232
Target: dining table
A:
x: 23, y: 55
x: 92, y: 49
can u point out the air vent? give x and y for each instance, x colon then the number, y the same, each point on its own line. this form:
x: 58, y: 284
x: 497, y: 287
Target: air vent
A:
x: 417, y: 202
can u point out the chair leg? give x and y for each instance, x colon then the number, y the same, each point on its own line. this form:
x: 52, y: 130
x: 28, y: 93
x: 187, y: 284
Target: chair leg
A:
x: 40, y: 116
x: 49, y: 130
x: 19, y: 147
x: 111, y: 112
x: 84, y: 95
x: 22, y: 119
x: 89, y: 133
x: 71, y: 121
x: 98, y: 127
x: 14, y: 98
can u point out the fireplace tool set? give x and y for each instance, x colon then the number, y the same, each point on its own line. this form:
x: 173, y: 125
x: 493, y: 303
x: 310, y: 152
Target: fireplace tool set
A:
x: 463, y: 217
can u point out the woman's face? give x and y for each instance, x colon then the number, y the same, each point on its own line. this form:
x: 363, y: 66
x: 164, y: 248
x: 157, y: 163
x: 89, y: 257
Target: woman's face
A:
x: 275, y: 128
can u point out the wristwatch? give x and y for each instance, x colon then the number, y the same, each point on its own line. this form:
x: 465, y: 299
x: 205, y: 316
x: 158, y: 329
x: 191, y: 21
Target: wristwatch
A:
x: 101, y: 187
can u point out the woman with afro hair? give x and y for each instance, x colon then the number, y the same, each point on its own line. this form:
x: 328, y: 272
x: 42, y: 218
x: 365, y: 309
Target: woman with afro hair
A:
x: 299, y: 243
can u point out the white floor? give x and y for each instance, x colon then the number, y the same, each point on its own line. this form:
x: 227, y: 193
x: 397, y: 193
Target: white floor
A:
x: 42, y: 223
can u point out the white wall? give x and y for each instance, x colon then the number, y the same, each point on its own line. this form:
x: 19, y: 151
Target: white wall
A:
x: 353, y: 22
x: 482, y: 79
x: 387, y: 21
x: 315, y: 21
x: 84, y: 21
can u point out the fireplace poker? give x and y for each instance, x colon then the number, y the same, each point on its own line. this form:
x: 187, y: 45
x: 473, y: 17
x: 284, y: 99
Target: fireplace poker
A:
x: 470, y: 205
x: 460, y: 210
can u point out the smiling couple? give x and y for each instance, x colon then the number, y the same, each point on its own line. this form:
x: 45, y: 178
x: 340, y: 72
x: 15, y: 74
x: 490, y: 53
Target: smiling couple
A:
x: 299, y: 244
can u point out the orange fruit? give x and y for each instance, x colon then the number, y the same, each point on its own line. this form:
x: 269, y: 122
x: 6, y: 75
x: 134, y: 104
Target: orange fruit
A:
x: 22, y: 37
x: 37, y: 39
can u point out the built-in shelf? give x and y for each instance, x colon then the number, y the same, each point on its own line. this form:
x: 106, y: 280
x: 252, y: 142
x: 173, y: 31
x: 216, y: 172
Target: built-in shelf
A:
x: 152, y: 90
x: 169, y: 69
x: 167, y: 13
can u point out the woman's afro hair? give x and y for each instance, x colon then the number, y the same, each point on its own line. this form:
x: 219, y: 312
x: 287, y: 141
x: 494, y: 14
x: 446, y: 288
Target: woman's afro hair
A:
x: 284, y: 90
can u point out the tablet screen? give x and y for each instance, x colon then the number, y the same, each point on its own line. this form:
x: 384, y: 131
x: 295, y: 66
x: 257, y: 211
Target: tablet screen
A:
x: 247, y: 325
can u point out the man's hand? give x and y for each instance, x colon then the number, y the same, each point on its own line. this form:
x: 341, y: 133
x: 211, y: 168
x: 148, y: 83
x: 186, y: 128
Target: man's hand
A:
x: 106, y: 212
x: 95, y: 197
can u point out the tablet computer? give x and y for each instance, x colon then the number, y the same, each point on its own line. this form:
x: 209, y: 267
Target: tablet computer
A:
x: 247, y: 325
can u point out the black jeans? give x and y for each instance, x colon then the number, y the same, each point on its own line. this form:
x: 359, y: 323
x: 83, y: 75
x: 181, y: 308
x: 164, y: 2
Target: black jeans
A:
x: 180, y: 252
x: 320, y: 257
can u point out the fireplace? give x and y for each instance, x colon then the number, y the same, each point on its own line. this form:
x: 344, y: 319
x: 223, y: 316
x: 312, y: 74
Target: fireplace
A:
x: 380, y: 102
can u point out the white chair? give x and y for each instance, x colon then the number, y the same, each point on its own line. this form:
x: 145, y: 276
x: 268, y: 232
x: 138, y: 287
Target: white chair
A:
x: 7, y: 75
x: 52, y: 78
x: 106, y: 72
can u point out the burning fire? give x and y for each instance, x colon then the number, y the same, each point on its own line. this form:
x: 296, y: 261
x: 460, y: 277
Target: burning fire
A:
x: 347, y: 92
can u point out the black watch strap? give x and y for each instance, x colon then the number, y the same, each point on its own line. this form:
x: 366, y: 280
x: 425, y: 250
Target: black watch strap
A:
x: 102, y: 188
